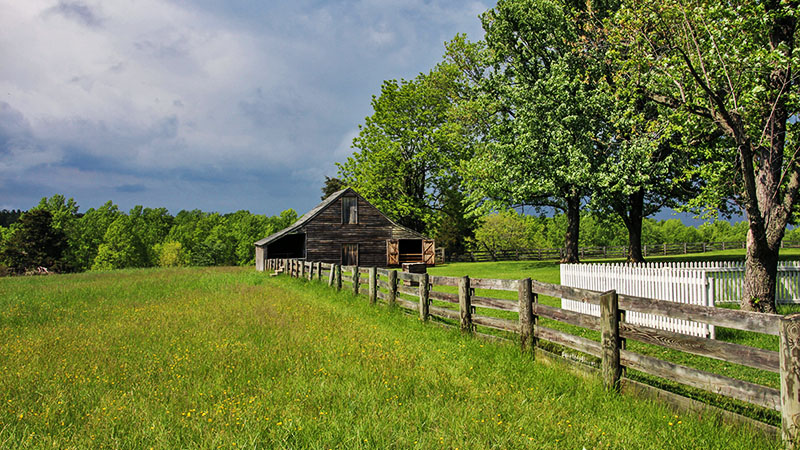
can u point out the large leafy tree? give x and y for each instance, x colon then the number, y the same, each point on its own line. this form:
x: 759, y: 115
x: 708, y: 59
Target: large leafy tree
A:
x: 407, y: 151
x: 541, y: 146
x: 34, y: 243
x: 727, y: 73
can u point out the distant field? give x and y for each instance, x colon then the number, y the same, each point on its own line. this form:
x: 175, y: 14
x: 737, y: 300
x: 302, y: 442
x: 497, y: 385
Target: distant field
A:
x: 548, y: 271
x: 230, y: 358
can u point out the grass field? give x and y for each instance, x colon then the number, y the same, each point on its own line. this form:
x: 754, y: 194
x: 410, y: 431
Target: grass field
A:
x: 230, y: 358
x: 548, y: 271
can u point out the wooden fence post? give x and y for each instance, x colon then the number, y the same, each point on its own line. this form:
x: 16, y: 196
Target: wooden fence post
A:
x: 373, y: 285
x: 332, y: 275
x: 392, y: 287
x: 789, y: 354
x: 302, y: 269
x: 609, y: 339
x: 338, y: 280
x: 356, y: 276
x: 424, y: 291
x: 526, y: 317
x: 465, y: 305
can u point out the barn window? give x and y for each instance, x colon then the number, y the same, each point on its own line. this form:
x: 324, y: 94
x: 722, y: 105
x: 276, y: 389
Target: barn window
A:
x: 349, y: 254
x: 349, y: 210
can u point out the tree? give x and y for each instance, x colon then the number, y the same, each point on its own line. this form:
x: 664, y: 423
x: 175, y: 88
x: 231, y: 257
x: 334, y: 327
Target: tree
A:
x: 65, y: 219
x: 726, y: 72
x: 34, y: 243
x: 121, y: 247
x: 151, y: 227
x: 407, y: 151
x: 92, y: 229
x: 331, y: 185
x: 505, y: 230
x: 540, y: 150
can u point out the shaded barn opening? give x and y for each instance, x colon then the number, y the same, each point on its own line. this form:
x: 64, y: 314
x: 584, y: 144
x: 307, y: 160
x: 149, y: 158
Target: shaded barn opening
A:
x: 289, y: 246
x: 410, y: 250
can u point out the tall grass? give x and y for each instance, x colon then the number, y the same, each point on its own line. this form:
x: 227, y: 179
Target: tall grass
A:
x: 229, y: 358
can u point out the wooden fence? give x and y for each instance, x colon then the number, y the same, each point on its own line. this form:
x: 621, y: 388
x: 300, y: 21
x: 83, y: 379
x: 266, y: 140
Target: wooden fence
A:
x: 616, y: 251
x: 474, y: 303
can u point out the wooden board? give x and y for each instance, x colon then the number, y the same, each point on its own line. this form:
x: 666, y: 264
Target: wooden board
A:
x: 730, y: 318
x: 568, y: 340
x: 718, y: 384
x: 495, y: 322
x: 407, y: 304
x: 721, y: 350
x: 444, y: 312
x: 491, y: 283
x: 443, y: 296
x: 570, y: 317
x: 437, y: 280
x: 495, y: 303
x: 569, y: 293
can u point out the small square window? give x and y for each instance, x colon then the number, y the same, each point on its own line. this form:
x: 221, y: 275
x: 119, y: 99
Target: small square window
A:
x: 349, y: 210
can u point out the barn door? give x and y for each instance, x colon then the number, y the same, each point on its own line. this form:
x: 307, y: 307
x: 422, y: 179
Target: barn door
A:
x: 428, y: 252
x: 392, y: 252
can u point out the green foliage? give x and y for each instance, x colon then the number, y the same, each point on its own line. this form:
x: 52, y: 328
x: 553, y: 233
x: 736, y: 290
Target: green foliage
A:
x: 33, y: 242
x: 170, y: 254
x: 408, y: 149
x: 92, y: 229
x: 331, y: 185
x: 120, y: 248
x: 503, y: 230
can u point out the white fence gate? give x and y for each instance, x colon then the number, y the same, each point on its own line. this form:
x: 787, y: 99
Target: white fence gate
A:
x: 699, y: 283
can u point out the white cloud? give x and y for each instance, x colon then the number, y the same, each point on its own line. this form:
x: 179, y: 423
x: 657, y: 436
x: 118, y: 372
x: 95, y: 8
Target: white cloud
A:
x: 157, y: 86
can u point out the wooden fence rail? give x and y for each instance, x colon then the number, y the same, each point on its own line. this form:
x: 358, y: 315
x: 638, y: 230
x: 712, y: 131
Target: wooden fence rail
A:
x: 468, y: 311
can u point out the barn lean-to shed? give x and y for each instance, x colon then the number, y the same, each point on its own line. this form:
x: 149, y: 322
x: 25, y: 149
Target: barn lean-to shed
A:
x: 347, y: 229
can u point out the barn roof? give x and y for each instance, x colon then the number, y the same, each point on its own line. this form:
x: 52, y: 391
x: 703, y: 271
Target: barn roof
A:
x: 307, y: 217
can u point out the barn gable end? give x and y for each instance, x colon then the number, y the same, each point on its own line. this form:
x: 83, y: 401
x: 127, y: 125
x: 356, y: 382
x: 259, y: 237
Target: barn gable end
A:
x: 322, y: 235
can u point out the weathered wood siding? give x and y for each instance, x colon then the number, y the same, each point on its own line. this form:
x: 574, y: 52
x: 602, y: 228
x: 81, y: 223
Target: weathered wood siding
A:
x: 326, y: 233
x: 259, y: 258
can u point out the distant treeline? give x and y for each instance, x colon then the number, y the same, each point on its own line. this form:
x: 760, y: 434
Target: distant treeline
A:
x: 510, y: 230
x: 55, y: 236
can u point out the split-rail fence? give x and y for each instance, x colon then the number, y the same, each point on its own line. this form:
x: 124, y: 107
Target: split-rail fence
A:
x: 476, y: 298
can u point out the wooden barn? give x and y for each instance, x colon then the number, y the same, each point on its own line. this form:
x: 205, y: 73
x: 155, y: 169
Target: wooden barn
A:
x: 346, y: 229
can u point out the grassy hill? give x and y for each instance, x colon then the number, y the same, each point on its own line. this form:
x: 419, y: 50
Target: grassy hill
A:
x: 230, y: 358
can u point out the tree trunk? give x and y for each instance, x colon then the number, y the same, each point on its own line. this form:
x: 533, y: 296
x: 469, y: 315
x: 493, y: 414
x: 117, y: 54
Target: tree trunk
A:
x: 761, y: 272
x: 634, y: 226
x: 573, y: 227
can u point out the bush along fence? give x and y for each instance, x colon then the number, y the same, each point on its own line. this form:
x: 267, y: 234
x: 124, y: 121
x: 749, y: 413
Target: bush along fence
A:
x: 519, y: 307
x: 610, y: 251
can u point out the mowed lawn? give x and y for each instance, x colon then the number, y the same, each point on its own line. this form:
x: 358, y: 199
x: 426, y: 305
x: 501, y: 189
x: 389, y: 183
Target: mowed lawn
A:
x: 231, y: 358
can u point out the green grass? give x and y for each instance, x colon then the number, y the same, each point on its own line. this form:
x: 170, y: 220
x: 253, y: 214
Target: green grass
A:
x: 548, y: 271
x: 229, y: 358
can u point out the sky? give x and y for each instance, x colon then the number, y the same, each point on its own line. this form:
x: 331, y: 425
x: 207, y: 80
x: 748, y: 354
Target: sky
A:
x: 187, y: 104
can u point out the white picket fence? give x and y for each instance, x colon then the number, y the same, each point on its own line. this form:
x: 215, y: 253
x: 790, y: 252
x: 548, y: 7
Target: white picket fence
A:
x: 699, y: 283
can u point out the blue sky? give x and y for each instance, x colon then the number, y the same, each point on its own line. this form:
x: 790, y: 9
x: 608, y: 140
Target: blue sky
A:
x: 200, y: 104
